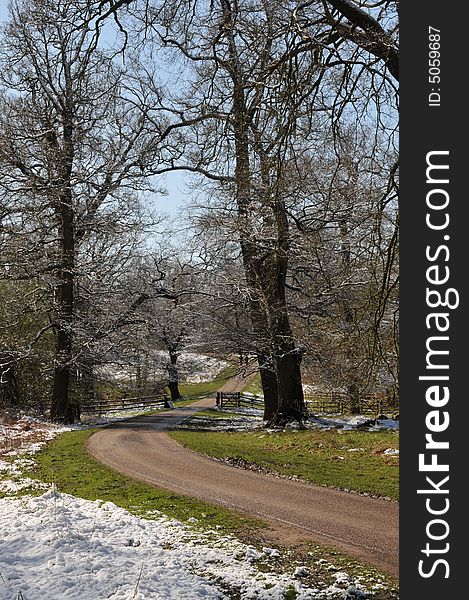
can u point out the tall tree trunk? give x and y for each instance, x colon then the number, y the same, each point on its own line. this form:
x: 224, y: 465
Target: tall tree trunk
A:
x: 173, y: 377
x: 265, y: 275
x: 291, y: 403
x: 354, y: 397
x: 61, y: 407
x: 9, y: 392
x: 249, y: 250
x: 290, y: 390
x: 287, y: 355
x: 269, y: 384
x: 174, y: 390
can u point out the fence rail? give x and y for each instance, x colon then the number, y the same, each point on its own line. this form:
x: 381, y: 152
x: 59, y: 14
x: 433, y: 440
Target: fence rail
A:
x: 341, y: 403
x: 238, y: 399
x: 142, y: 402
x: 335, y: 402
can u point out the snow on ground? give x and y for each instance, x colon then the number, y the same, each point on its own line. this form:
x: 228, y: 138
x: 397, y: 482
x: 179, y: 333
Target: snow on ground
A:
x: 247, y: 419
x: 241, y: 424
x: 199, y: 367
x: 29, y: 435
x: 60, y: 546
x: 26, y: 435
x: 352, y: 422
x: 229, y: 419
x: 328, y: 421
x: 192, y: 367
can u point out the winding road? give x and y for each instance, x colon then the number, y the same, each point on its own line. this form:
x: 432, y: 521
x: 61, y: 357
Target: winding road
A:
x: 363, y: 527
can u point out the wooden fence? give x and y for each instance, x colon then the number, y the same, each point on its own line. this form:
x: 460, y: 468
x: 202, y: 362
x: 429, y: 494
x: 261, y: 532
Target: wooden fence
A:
x: 332, y: 403
x: 341, y: 403
x: 143, y: 402
x: 237, y: 399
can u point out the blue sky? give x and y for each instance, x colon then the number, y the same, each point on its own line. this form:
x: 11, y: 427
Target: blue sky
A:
x: 3, y: 9
x: 175, y: 184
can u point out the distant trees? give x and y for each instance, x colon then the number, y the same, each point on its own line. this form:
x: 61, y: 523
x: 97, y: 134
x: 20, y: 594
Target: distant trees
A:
x: 171, y: 312
x: 344, y: 276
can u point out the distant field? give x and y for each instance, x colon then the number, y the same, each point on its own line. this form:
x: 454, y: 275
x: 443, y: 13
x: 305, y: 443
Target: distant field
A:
x: 254, y: 386
x: 194, y: 390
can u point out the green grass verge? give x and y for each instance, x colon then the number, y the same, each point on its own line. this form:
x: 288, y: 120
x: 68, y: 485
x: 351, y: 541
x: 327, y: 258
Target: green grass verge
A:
x: 221, y: 414
x: 254, y: 386
x: 66, y: 462
x: 182, y: 402
x: 321, y: 457
x: 194, y: 390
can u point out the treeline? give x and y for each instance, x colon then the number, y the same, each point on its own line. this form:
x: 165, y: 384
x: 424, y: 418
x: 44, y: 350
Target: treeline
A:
x: 285, y: 115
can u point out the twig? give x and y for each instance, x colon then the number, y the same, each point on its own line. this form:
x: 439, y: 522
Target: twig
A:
x: 138, y: 582
x: 3, y: 579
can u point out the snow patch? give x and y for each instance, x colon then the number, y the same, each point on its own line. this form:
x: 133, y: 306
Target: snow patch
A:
x: 352, y: 422
x: 192, y: 367
x: 60, y: 546
x: 10, y: 486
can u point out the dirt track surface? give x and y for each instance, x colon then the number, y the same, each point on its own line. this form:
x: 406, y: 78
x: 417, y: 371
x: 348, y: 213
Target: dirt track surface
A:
x: 364, y: 527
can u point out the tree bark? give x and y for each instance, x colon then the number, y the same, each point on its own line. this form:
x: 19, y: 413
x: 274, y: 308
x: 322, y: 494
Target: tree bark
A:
x: 287, y: 359
x: 269, y: 385
x: 61, y: 406
x: 354, y: 396
x: 173, y: 377
x: 265, y: 275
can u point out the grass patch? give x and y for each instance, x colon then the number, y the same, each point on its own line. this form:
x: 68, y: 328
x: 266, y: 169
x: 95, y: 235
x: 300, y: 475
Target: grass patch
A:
x: 322, y: 564
x: 204, y: 388
x: 254, y: 386
x: 66, y: 463
x: 182, y: 402
x: 350, y: 460
x: 290, y: 594
x: 222, y: 413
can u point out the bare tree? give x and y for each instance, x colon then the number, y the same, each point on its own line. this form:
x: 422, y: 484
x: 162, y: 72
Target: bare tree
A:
x: 75, y: 142
x: 171, y: 312
x: 264, y: 80
x: 344, y: 264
